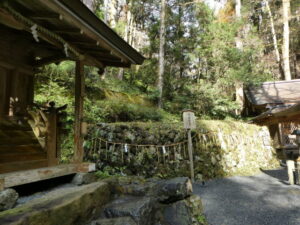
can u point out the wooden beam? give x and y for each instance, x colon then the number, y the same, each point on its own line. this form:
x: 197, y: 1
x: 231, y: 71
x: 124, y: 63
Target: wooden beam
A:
x: 29, y: 176
x: 116, y: 64
x: 69, y: 31
x: 45, y: 16
x: 79, y: 101
x: 87, y: 44
x: 92, y: 61
x: 49, y: 60
x: 10, y: 21
x: 276, y: 120
x: 90, y: 46
x: 99, y: 52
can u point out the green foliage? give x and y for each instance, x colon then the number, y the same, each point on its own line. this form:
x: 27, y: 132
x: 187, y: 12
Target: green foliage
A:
x: 113, y: 111
x: 102, y: 174
x: 203, y: 67
x: 202, y: 220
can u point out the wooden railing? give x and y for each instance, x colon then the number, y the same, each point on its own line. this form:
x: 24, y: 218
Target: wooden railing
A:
x: 45, y: 124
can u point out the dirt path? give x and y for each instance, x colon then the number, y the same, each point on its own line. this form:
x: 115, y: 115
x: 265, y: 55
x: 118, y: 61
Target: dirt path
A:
x: 264, y: 199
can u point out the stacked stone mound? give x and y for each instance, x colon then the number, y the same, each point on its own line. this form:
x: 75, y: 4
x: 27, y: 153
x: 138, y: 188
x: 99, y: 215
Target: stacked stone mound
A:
x: 114, y: 201
x: 151, y: 202
x: 224, y: 149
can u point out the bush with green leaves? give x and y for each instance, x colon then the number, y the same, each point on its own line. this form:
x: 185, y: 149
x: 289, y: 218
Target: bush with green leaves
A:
x: 113, y: 111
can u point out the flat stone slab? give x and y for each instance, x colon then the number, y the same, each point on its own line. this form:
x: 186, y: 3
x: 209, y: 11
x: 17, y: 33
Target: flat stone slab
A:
x: 69, y: 206
x: 140, y: 209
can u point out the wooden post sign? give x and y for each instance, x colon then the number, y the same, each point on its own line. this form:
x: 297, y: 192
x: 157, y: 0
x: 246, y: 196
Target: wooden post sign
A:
x: 189, y: 122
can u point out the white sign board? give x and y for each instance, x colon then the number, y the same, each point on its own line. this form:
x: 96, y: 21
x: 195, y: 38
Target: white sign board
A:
x: 189, y: 120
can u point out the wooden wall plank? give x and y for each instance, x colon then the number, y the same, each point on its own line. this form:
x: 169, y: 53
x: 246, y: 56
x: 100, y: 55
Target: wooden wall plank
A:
x: 3, y: 80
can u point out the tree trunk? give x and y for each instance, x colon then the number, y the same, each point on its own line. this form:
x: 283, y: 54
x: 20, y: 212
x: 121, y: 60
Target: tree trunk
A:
x: 112, y: 12
x: 239, y: 93
x: 238, y: 7
x: 275, y: 42
x: 105, y: 3
x: 238, y: 15
x: 286, y: 40
x: 127, y: 18
x: 162, y: 40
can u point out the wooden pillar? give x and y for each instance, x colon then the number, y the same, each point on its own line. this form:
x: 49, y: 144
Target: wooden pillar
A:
x: 280, y: 132
x: 190, y: 148
x: 51, y: 143
x: 79, y: 97
x: 290, y: 169
x: 297, y: 171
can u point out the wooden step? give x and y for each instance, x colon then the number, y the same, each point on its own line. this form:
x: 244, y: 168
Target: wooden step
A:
x: 18, y: 166
x: 14, y: 133
x: 13, y: 124
x: 14, y: 141
x: 31, y: 148
x: 25, y: 156
x: 16, y: 127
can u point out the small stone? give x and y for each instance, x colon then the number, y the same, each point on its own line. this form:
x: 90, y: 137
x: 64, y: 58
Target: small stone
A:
x: 213, y: 160
x: 8, y: 199
x: 84, y: 178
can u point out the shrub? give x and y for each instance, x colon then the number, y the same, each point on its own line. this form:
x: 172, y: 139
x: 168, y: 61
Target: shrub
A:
x: 113, y: 111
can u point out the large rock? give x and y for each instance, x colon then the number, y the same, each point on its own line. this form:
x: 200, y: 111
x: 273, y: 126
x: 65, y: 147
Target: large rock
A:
x: 165, y: 191
x: 84, y: 178
x: 195, y: 206
x: 177, y: 213
x: 8, y: 199
x: 140, y: 209
x: 67, y: 206
x: 114, y: 221
x: 172, y: 190
x: 184, y: 212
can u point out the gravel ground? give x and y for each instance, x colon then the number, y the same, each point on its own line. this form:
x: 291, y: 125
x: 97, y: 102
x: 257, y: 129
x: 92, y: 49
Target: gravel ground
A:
x: 264, y: 199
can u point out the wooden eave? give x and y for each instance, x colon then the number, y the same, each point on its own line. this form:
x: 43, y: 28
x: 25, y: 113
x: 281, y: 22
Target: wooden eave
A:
x: 277, y: 115
x: 74, y: 24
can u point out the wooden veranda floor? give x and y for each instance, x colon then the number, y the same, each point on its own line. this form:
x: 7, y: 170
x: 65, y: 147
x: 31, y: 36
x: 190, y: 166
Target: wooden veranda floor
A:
x: 8, y: 180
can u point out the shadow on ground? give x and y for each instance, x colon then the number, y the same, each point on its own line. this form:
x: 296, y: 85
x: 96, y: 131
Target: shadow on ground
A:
x: 279, y: 174
x: 264, y: 199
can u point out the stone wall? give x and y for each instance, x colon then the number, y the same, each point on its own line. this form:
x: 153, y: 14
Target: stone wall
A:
x: 221, y: 148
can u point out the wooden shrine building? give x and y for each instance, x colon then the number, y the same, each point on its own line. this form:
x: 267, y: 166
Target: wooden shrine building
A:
x: 34, y: 33
x: 277, y: 105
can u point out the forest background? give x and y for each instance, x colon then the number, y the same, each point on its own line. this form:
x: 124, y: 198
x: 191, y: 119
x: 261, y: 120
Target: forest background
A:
x: 199, y: 55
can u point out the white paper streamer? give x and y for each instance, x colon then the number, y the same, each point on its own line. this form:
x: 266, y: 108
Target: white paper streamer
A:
x: 164, y: 149
x: 66, y: 50
x: 126, y: 148
x: 34, y: 33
